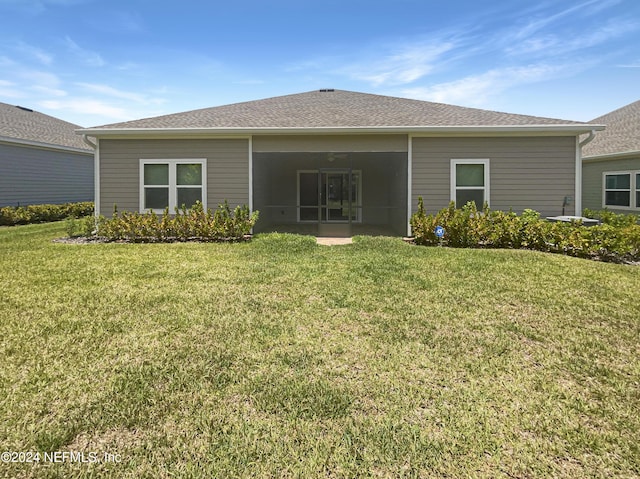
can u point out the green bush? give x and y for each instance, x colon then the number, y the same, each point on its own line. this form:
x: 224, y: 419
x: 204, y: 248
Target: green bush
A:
x: 84, y: 226
x: 193, y: 224
x: 22, y: 215
x: 616, y: 239
x: 610, y: 218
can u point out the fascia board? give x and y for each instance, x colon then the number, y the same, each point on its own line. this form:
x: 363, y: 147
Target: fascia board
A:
x: 612, y: 156
x: 543, y: 130
x: 44, y: 146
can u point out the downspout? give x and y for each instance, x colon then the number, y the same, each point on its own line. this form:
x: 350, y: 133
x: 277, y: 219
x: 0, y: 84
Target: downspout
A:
x: 86, y: 139
x: 592, y: 135
x: 578, y: 194
x: 96, y: 177
x: 409, y: 182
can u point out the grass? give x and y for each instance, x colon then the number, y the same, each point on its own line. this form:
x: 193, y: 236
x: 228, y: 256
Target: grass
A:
x: 281, y: 358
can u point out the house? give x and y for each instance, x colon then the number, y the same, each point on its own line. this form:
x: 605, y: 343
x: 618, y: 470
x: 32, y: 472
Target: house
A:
x: 611, y: 163
x: 334, y: 162
x: 42, y: 160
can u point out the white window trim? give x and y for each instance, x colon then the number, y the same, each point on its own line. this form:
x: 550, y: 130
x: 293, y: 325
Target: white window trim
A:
x: 633, y: 187
x: 472, y: 161
x: 173, y: 192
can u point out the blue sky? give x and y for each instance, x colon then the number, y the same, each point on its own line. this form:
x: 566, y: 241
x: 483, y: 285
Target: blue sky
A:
x: 94, y: 62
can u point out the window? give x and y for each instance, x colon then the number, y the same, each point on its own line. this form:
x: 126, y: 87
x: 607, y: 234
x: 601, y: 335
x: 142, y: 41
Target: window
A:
x: 470, y: 182
x: 621, y: 189
x: 171, y: 183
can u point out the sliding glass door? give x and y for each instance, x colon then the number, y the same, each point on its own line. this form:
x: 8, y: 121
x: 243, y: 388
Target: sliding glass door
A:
x: 329, y: 196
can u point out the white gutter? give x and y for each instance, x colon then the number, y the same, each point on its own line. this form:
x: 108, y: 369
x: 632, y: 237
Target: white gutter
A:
x: 416, y: 130
x: 86, y: 139
x: 589, y: 139
x: 44, y: 146
x: 578, y: 193
x: 611, y: 156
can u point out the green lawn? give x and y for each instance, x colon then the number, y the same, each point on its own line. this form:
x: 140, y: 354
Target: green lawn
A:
x: 281, y: 358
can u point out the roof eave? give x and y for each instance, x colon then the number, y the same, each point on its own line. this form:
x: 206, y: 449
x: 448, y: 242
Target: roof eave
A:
x: 612, y: 156
x: 483, y: 130
x: 46, y: 146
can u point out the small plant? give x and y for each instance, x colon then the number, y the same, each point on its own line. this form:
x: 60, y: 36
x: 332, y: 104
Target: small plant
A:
x: 77, y: 227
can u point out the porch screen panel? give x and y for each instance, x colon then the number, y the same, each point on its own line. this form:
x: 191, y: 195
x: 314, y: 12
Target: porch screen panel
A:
x: 308, y: 196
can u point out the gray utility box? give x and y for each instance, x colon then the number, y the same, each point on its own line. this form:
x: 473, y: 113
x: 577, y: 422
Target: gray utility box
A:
x: 570, y: 219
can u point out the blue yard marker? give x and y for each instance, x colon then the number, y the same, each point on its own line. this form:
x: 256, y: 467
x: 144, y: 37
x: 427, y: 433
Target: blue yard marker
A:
x: 439, y: 232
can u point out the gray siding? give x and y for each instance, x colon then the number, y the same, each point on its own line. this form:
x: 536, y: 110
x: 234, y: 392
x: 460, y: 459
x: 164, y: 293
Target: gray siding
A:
x: 592, y: 180
x: 227, y: 169
x: 525, y: 172
x: 31, y: 176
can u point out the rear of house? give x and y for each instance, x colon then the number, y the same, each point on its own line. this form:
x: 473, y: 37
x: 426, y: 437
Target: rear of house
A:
x: 338, y: 163
x: 611, y: 163
x: 42, y: 159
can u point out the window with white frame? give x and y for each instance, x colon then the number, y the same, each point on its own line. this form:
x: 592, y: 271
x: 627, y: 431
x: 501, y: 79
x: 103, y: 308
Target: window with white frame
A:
x: 621, y: 189
x: 470, y: 182
x: 171, y: 184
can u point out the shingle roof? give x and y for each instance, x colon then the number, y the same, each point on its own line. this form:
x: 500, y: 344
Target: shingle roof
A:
x: 335, y: 108
x: 622, y: 134
x: 23, y: 124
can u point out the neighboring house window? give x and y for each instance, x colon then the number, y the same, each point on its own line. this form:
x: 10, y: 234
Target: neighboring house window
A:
x: 618, y: 188
x: 470, y: 182
x: 171, y: 184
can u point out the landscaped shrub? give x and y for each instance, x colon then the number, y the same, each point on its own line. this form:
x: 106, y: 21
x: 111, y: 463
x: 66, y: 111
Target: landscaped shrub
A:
x: 611, y: 218
x: 466, y: 227
x: 76, y: 227
x: 192, y: 224
x: 22, y: 215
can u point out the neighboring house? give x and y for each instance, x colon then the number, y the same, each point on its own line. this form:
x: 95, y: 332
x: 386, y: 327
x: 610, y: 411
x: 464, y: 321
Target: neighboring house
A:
x: 611, y: 163
x: 42, y: 160
x: 334, y: 162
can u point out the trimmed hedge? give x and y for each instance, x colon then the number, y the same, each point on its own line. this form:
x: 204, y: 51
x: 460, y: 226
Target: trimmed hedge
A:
x: 22, y: 215
x: 469, y: 228
x: 193, y: 224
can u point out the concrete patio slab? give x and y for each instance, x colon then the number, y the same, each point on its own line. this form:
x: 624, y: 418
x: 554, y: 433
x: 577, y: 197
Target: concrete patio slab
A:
x: 333, y: 241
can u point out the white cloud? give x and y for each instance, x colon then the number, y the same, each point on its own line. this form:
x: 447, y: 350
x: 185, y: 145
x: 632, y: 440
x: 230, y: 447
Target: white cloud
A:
x: 36, y: 78
x: 554, y: 45
x: 90, y: 58
x: 6, y: 62
x: 113, y: 92
x: 108, y: 91
x: 55, y: 92
x: 635, y: 64
x: 39, y: 6
x: 88, y: 107
x: 410, y: 63
x: 477, y: 90
x: 537, y: 24
x: 37, y: 53
x: 8, y: 90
